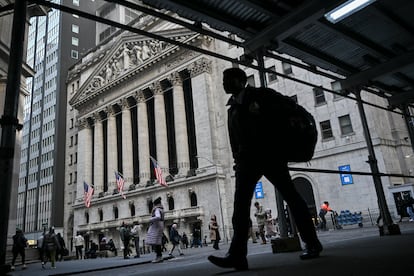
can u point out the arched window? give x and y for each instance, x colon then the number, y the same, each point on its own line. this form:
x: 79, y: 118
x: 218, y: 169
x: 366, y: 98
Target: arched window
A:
x: 100, y: 213
x: 150, y: 206
x: 170, y: 203
x: 132, y: 209
x: 115, y: 209
x: 86, y: 217
x: 193, y: 199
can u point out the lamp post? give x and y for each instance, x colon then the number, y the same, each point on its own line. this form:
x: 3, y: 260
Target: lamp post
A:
x: 218, y: 193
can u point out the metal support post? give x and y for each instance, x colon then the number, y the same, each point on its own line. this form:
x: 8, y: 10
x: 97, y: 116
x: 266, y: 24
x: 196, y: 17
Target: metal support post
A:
x: 9, y: 123
x: 389, y: 227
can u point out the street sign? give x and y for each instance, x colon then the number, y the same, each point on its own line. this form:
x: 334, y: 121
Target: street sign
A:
x: 346, y: 178
x: 258, y: 191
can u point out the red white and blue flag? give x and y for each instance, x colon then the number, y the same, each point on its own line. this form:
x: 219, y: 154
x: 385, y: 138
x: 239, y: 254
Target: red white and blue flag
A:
x: 158, y: 172
x: 87, y: 194
x: 120, y: 182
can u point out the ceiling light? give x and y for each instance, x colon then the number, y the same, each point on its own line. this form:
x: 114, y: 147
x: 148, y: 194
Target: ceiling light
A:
x: 346, y: 9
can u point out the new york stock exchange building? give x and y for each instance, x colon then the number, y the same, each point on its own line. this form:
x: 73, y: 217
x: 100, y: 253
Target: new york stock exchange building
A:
x: 134, y: 99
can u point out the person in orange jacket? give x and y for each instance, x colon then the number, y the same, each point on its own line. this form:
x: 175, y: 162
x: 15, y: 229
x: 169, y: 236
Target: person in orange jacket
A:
x: 322, y: 212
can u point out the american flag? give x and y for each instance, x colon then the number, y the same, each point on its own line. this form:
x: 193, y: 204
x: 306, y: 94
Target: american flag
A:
x: 87, y: 195
x: 120, y: 183
x: 158, y: 172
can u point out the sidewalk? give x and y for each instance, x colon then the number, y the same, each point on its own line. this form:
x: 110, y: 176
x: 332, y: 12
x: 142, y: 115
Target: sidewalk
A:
x: 354, y: 251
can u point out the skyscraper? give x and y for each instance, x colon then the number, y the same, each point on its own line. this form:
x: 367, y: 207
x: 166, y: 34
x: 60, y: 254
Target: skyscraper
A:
x: 55, y: 42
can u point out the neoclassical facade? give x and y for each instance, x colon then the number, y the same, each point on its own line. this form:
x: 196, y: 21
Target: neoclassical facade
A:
x: 134, y: 98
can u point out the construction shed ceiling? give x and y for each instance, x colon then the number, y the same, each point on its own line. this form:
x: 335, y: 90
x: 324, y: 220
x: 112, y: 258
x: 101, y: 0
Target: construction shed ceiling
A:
x: 372, y: 47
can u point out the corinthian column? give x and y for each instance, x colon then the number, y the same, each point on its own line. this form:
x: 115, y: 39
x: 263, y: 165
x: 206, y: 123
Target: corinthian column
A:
x: 160, y: 128
x: 127, y: 154
x: 98, y: 150
x: 112, y: 149
x: 143, y: 139
x: 84, y: 155
x: 183, y: 159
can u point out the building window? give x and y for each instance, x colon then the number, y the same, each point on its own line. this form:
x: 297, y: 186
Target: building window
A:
x: 271, y: 77
x: 75, y: 28
x: 319, y: 96
x: 87, y: 217
x: 170, y: 203
x: 100, y: 213
x: 326, y: 130
x: 74, y: 54
x: 345, y: 125
x: 287, y: 68
x: 150, y: 206
x: 75, y: 2
x: 75, y: 41
x: 115, y: 212
x: 193, y: 199
x: 132, y: 209
x: 250, y: 80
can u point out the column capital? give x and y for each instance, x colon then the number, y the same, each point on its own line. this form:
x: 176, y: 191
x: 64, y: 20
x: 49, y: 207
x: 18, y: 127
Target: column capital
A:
x: 176, y: 79
x: 123, y: 103
x: 139, y: 96
x: 157, y: 88
x: 83, y: 123
x: 202, y: 65
x: 110, y: 110
x: 96, y: 117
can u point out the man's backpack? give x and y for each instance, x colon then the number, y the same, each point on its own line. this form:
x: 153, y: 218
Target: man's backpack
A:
x: 292, y: 125
x: 301, y: 134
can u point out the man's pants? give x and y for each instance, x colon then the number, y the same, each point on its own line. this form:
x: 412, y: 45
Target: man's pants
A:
x: 136, y: 243
x: 78, y: 252
x: 247, y: 175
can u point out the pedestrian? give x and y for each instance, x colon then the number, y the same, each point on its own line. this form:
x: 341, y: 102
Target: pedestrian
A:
x: 125, y: 238
x: 269, y: 225
x: 196, y: 237
x: 256, y: 151
x: 91, y: 253
x: 156, y: 229
x: 51, y: 245
x: 62, y: 251
x: 79, y: 241
x: 252, y: 234
x: 112, y: 247
x: 261, y: 220
x: 19, y: 246
x: 214, y: 232
x: 40, y: 248
x: 322, y: 213
x: 410, y: 211
x: 184, y: 240
x: 175, y: 239
x: 135, y: 235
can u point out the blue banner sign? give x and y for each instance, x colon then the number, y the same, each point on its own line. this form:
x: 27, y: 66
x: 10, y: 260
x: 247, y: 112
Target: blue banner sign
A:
x: 258, y: 191
x: 345, y: 177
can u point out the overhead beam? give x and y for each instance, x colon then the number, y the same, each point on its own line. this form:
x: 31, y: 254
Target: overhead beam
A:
x: 315, y: 54
x: 293, y: 22
x: 232, y: 27
x: 177, y: 21
x: 356, y: 38
x: 385, y: 68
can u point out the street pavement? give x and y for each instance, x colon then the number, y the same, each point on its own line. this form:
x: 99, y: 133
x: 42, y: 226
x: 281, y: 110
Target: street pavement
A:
x: 350, y: 251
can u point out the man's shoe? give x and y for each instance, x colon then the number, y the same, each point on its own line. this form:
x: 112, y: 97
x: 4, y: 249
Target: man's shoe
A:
x: 311, y: 252
x: 230, y: 262
x: 12, y: 268
x: 158, y: 260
